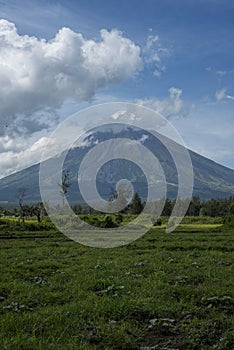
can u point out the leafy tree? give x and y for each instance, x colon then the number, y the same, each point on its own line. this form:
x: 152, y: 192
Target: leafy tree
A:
x: 4, y: 212
x: 38, y: 210
x: 136, y: 206
x: 167, y: 210
x: 231, y: 209
x: 15, y: 212
x: 77, y: 209
x: 194, y: 207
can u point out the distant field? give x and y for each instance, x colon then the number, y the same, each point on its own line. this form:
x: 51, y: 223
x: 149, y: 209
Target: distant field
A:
x: 164, y: 291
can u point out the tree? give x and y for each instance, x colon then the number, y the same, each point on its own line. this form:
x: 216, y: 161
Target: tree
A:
x: 77, y: 209
x: 194, y: 207
x: 21, y: 194
x: 119, y: 198
x: 136, y: 205
x: 167, y: 209
x: 64, y: 184
x: 231, y: 209
x: 4, y: 212
x: 38, y: 210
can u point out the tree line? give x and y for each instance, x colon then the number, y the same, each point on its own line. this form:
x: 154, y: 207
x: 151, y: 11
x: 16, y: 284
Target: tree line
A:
x: 213, y: 208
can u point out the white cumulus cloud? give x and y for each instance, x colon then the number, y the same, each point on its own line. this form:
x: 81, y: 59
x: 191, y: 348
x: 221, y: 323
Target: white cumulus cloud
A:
x: 39, y: 75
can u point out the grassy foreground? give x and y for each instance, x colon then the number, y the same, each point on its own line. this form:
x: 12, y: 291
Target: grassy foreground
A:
x: 164, y: 291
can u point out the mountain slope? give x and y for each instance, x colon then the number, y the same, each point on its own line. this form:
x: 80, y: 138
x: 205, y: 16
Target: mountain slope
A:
x: 211, y: 180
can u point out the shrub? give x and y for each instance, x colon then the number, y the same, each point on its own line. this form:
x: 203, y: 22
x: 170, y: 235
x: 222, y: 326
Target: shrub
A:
x: 157, y: 222
x: 108, y: 222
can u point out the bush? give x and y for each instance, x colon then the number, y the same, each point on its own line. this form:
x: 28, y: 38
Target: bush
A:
x: 108, y: 222
x: 119, y: 218
x: 157, y: 222
x: 229, y: 221
x: 17, y: 225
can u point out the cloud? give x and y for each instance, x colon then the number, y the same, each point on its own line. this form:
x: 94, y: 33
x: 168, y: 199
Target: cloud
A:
x: 17, y: 156
x: 221, y: 72
x: 172, y: 106
x: 222, y: 95
x: 38, y: 75
x: 207, y: 138
x: 153, y: 53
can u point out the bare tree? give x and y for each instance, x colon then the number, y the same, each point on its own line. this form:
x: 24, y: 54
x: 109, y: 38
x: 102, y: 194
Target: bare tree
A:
x: 21, y: 194
x: 64, y: 184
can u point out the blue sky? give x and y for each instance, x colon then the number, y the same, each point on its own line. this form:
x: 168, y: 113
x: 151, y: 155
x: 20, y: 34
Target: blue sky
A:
x: 184, y: 44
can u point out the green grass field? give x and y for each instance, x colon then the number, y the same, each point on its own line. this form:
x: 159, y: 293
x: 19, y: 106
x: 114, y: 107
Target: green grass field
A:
x: 163, y: 291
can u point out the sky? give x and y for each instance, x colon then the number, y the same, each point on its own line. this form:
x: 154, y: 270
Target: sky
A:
x: 57, y: 57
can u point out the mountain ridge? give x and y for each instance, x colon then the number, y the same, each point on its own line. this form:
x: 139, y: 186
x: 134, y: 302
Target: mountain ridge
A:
x: 211, y: 179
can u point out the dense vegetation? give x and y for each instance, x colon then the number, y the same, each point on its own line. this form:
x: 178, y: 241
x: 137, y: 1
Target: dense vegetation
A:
x: 213, y: 208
